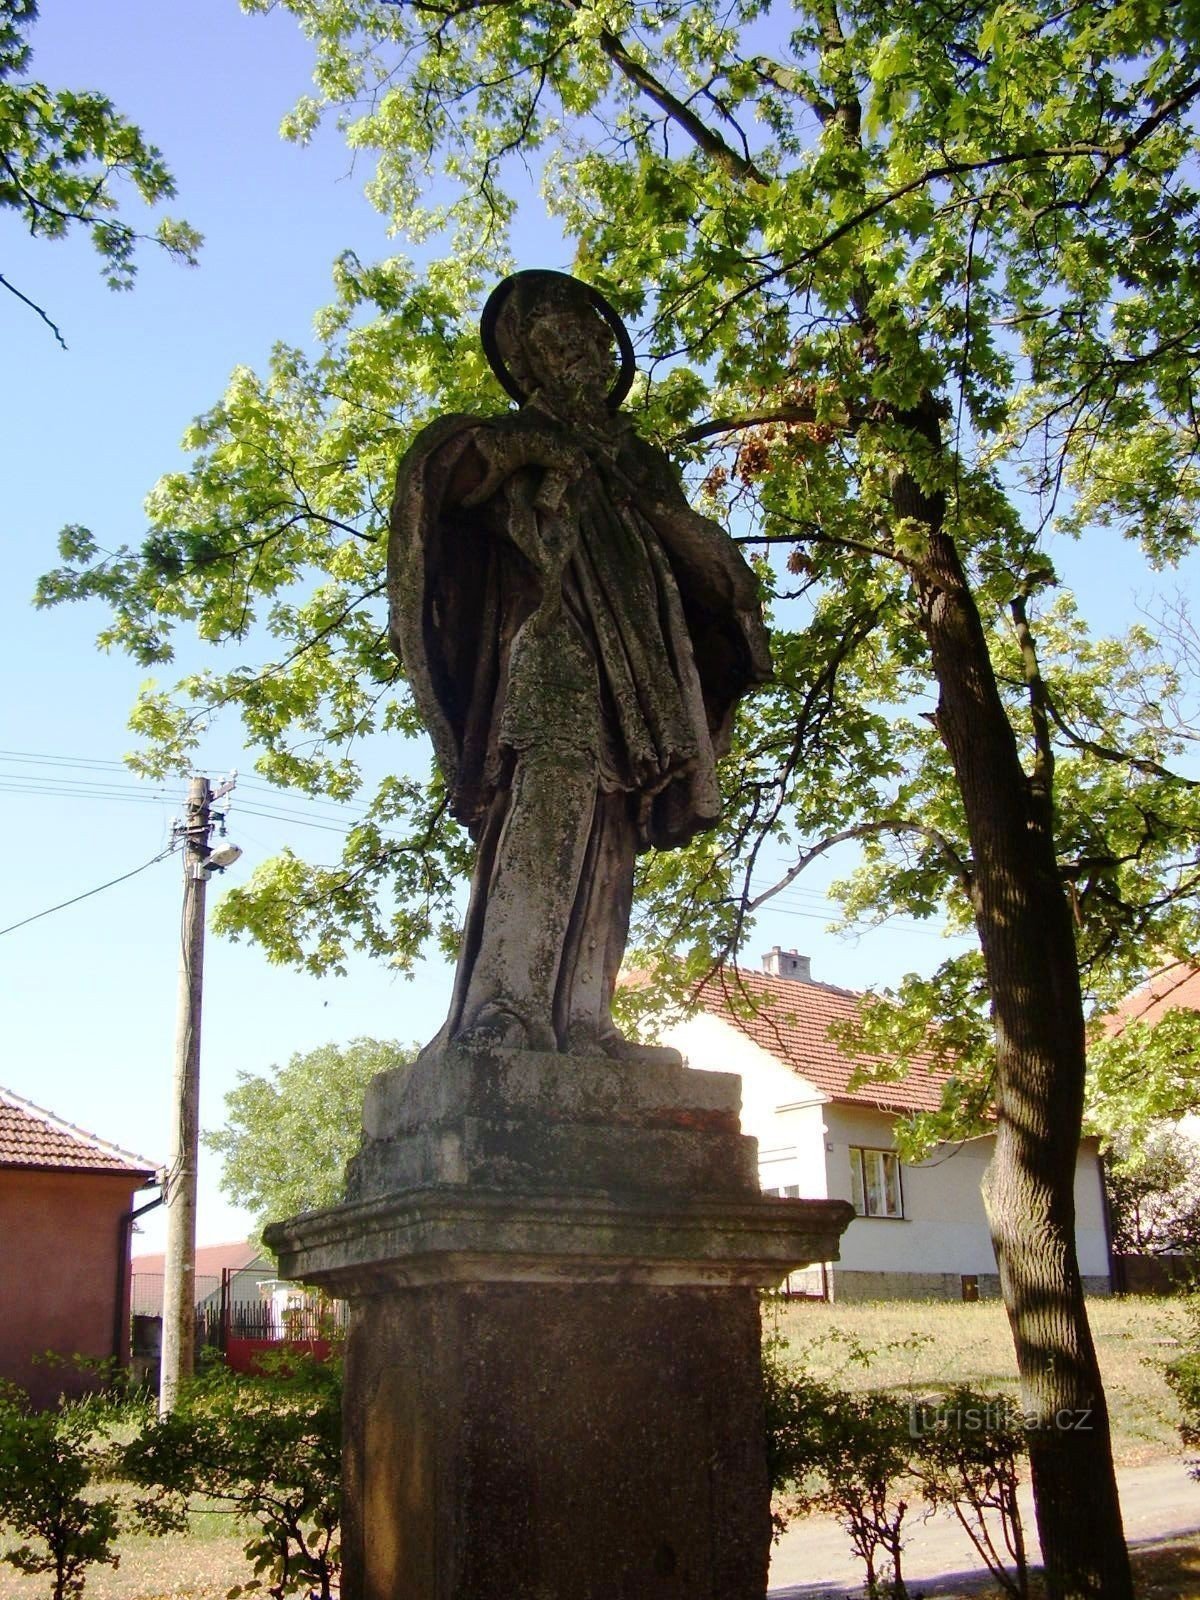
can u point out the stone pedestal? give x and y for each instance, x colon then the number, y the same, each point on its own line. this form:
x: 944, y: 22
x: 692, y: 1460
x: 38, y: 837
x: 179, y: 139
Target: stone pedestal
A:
x: 552, y: 1372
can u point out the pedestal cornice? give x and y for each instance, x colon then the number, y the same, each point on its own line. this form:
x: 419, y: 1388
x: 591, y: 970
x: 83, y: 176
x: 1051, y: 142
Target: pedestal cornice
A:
x: 471, y: 1234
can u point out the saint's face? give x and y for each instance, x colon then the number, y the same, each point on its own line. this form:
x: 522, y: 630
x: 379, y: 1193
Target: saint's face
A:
x: 570, y: 353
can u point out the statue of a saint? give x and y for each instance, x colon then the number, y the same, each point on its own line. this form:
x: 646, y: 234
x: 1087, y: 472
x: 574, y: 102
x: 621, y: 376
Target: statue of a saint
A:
x: 577, y: 639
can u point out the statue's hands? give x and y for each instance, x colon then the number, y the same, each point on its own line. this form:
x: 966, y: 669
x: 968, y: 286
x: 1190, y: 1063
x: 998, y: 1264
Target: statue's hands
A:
x: 553, y: 487
x: 563, y: 463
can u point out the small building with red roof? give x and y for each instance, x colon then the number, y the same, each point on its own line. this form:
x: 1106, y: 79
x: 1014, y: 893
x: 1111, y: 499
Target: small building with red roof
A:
x: 216, y: 1265
x: 920, y: 1230
x: 67, y: 1199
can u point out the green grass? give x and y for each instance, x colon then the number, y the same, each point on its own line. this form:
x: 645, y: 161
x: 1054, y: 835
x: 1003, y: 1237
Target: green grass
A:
x: 930, y: 1344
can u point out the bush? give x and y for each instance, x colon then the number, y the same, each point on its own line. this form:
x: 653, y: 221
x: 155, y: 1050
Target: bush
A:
x: 969, y: 1446
x: 267, y: 1447
x: 866, y: 1457
x: 47, y: 1460
x: 845, y: 1454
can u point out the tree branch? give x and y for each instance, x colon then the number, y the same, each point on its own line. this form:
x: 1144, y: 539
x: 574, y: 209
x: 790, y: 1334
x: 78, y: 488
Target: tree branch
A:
x: 789, y: 81
x: 737, y: 166
x: 24, y: 298
x: 837, y: 541
x: 867, y: 830
x: 1042, y: 777
x: 1103, y: 752
x: 784, y: 413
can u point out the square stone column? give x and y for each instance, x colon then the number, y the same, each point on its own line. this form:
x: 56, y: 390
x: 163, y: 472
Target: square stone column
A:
x: 553, y: 1387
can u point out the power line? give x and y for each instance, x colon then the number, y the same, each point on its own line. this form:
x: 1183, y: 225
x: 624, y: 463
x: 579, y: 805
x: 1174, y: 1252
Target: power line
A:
x: 310, y: 799
x: 88, y: 893
x: 795, y: 901
x: 107, y: 764
x: 295, y: 821
x: 59, y: 761
x: 63, y: 786
x: 52, y: 789
x: 81, y: 789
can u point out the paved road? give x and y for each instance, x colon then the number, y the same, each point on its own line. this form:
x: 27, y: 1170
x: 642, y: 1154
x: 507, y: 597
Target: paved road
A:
x: 813, y: 1562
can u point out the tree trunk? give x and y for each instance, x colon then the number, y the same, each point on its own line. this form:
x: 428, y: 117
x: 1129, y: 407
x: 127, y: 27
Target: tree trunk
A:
x: 1026, y: 933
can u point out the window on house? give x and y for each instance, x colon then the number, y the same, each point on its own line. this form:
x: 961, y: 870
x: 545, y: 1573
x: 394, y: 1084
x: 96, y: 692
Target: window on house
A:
x: 875, y: 1183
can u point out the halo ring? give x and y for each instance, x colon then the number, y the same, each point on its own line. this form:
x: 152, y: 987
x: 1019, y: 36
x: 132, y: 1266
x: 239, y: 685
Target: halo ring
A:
x: 491, y: 315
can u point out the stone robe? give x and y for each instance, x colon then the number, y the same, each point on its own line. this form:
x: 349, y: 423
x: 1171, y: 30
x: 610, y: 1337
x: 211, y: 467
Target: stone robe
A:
x: 597, y: 617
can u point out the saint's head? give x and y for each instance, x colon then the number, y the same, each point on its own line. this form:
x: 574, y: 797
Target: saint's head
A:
x: 549, y: 334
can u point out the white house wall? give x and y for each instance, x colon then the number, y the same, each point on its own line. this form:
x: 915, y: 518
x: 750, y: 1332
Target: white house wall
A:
x: 944, y: 1219
x: 779, y: 1108
x: 804, y: 1140
x: 1091, y: 1224
x: 943, y: 1229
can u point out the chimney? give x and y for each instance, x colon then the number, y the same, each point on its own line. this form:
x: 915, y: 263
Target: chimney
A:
x: 787, y: 964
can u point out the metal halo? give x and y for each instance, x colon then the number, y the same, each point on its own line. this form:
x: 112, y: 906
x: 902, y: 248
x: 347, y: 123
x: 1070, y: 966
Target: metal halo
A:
x: 495, y: 304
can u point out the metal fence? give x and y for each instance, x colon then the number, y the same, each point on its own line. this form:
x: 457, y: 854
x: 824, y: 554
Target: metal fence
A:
x: 234, y: 1306
x: 293, y: 1325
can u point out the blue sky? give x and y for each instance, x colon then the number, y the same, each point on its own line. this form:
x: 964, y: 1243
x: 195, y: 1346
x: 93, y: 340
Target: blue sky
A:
x: 87, y: 996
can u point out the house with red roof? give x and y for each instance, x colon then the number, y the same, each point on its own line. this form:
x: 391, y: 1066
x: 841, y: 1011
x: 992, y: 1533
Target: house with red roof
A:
x: 67, y: 1205
x: 241, y: 1263
x: 227, y: 1279
x: 920, y: 1230
x: 1172, y: 988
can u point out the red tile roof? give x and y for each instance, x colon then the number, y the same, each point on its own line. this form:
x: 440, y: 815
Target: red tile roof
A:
x: 31, y: 1137
x: 790, y: 1019
x: 1174, y: 987
x: 211, y: 1259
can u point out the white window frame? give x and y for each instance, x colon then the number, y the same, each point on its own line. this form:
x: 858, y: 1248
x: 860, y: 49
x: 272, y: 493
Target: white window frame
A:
x: 870, y: 1191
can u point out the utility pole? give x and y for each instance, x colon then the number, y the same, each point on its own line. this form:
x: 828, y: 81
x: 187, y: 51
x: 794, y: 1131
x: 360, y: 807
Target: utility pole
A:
x: 179, y: 1267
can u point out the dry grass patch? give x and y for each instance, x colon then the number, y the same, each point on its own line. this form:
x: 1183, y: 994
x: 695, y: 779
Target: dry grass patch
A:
x: 1167, y: 1570
x: 202, y: 1564
x: 927, y: 1344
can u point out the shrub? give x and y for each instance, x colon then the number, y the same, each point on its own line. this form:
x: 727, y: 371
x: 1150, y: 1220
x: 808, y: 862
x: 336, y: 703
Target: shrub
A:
x: 867, y: 1456
x: 968, y: 1451
x: 267, y: 1447
x: 47, y: 1459
x: 845, y: 1454
x: 1183, y: 1375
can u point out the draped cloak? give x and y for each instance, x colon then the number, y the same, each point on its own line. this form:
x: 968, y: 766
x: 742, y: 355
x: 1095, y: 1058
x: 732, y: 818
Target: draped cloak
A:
x: 609, y: 620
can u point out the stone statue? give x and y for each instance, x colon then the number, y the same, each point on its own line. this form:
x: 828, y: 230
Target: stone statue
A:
x: 577, y: 639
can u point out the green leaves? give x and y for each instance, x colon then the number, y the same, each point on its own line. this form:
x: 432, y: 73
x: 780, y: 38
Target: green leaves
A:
x: 66, y: 155
x: 1143, y: 1077
x: 268, y: 1447
x: 287, y: 1137
x: 47, y: 1462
